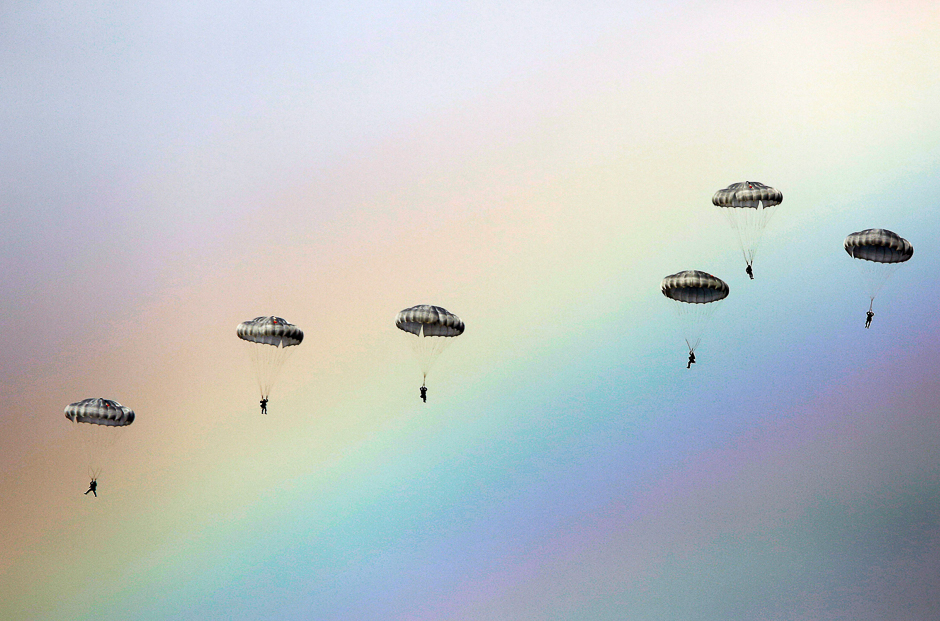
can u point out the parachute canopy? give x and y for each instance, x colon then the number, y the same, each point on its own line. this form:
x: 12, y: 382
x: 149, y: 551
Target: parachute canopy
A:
x: 99, y: 411
x: 881, y: 253
x: 748, y: 205
x: 748, y: 195
x: 97, y: 423
x: 270, y: 341
x: 433, y: 328
x: 878, y: 245
x: 429, y: 321
x: 694, y: 287
x: 695, y: 296
x: 270, y: 331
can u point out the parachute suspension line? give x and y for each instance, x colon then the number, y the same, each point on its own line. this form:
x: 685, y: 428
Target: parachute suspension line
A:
x: 876, y: 275
x: 94, y: 471
x: 749, y: 223
x: 97, y: 442
x: 427, y: 349
x: 267, y: 361
x: 695, y: 319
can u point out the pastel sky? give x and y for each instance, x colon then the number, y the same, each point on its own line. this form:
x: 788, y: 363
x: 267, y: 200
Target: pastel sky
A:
x: 170, y: 169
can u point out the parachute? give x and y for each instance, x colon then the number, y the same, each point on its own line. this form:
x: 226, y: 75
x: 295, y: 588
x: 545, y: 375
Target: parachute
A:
x: 98, y: 423
x: 433, y: 328
x: 880, y: 253
x: 748, y: 205
x: 695, y: 296
x: 270, y: 342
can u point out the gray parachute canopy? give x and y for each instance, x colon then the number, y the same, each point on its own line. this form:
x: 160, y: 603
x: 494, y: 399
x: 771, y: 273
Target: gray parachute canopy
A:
x: 99, y: 411
x: 695, y: 296
x: 277, y: 332
x: 429, y: 321
x: 749, y: 206
x: 878, y: 245
x: 270, y: 331
x: 694, y: 287
x: 97, y: 423
x: 748, y: 194
x: 881, y: 253
x: 429, y: 324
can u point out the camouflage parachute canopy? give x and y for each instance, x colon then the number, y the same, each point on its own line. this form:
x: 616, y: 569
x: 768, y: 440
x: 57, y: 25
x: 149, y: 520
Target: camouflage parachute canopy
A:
x: 747, y: 194
x: 99, y: 411
x: 270, y: 331
x: 694, y: 287
x: 429, y: 320
x: 878, y: 245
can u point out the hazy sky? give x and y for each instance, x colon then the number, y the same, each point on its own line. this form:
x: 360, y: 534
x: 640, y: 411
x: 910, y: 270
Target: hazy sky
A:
x: 168, y: 170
